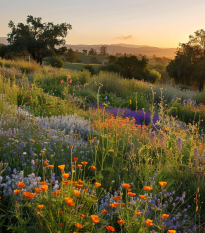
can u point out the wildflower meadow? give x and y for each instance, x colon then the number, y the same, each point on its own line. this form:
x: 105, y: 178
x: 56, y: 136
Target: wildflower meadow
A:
x: 98, y: 153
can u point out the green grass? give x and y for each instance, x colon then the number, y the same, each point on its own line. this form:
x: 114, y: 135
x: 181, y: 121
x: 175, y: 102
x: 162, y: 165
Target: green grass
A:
x: 79, y: 66
x: 86, y: 58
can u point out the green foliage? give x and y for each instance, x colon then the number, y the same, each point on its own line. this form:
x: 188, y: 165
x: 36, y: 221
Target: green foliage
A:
x: 112, y: 59
x: 3, y: 51
x: 90, y: 68
x: 71, y: 56
x: 131, y: 66
x: 56, y: 62
x: 154, y: 76
x: 188, y: 66
x: 38, y: 39
x: 84, y: 76
x: 111, y: 68
x: 87, y: 93
x: 79, y: 66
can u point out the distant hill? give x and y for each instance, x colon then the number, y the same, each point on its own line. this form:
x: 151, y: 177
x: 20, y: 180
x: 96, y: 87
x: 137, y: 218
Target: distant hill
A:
x: 149, y: 51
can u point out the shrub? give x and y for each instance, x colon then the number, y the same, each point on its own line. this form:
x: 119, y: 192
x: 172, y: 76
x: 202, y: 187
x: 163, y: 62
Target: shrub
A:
x: 111, y: 68
x: 90, y: 68
x: 56, y: 62
x: 154, y: 76
x: 84, y: 76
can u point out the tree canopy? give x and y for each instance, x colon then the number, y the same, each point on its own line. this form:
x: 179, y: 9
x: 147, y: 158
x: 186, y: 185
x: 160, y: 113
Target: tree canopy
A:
x: 38, y: 39
x: 92, y: 52
x: 71, y: 55
x: 188, y: 67
x: 131, y: 66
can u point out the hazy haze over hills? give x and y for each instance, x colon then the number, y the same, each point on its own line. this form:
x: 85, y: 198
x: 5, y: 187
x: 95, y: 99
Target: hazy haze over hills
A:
x: 121, y: 48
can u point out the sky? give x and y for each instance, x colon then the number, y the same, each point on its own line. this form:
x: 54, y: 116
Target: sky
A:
x: 158, y: 23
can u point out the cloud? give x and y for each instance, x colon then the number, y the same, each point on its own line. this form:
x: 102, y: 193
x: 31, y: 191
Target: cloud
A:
x: 125, y: 37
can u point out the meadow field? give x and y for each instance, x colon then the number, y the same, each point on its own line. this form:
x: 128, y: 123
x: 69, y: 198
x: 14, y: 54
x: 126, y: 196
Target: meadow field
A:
x: 101, y: 153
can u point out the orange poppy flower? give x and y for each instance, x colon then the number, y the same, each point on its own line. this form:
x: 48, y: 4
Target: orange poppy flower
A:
x: 171, y: 231
x: 109, y: 228
x: 163, y: 184
x: 61, y: 167
x: 83, y: 215
x: 75, y: 159
x: 116, y: 198
x: 17, y: 191
x: 79, y: 186
x: 45, y: 163
x: 43, y: 182
x: 129, y: 190
x: 149, y: 222
x: 40, y: 207
x: 76, y: 192
x: 85, y: 190
x: 29, y: 195
x: 147, y: 188
x: 121, y: 222
x: 104, y: 212
x: 122, y: 203
x: 97, y: 184
x: 42, y: 151
x: 37, y: 190
x: 94, y: 197
x: 69, y: 201
x: 51, y: 166
x: 79, y: 226
x: 79, y: 165
x: 66, y: 175
x: 84, y: 163
x: 93, y: 167
x: 61, y: 212
x: 56, y: 192
x: 66, y: 182
x: 60, y: 224
x: 142, y: 197
x: 137, y: 213
x: 114, y: 205
x: 44, y: 188
x: 131, y: 194
x: 165, y: 216
x: 95, y: 218
x: 21, y: 185
x: 126, y: 186
x: 80, y: 181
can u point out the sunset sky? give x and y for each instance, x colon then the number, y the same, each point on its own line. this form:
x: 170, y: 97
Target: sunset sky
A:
x: 160, y: 23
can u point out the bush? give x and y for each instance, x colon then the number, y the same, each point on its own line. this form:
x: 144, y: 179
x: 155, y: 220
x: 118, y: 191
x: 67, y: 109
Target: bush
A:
x: 111, y: 68
x: 154, y: 76
x: 84, y: 76
x: 56, y: 62
x: 90, y: 68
